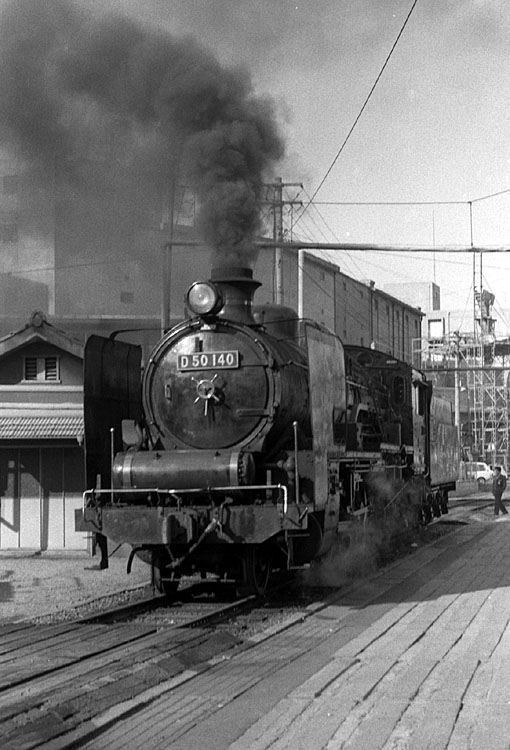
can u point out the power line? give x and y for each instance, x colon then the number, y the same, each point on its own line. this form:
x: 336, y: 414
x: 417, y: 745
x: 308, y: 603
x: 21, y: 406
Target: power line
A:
x: 409, y: 203
x: 358, y: 117
x: 353, y: 262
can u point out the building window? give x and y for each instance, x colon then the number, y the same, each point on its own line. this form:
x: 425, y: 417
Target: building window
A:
x: 436, y: 328
x: 41, y: 369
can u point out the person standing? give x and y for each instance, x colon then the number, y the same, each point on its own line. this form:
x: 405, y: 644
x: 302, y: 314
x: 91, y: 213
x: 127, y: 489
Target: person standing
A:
x: 498, y: 487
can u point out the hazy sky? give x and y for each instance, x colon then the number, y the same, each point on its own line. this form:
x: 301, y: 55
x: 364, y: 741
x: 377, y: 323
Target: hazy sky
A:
x: 436, y: 127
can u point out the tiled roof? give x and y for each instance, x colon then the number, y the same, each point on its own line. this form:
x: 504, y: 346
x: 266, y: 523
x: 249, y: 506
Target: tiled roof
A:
x: 25, y: 428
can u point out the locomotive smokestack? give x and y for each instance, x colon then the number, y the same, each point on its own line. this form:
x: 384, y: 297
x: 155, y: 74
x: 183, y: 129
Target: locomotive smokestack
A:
x: 238, y: 287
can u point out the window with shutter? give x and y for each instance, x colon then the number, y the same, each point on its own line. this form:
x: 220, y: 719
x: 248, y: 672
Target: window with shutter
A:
x: 51, y: 368
x: 30, y: 368
x: 41, y: 369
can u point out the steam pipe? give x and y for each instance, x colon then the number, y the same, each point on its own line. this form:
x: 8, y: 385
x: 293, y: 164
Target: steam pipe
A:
x: 354, y: 247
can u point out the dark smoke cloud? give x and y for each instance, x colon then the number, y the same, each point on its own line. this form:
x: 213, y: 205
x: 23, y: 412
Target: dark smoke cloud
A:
x: 71, y: 82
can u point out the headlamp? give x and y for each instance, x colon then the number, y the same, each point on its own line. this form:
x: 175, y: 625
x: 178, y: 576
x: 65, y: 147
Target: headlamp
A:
x: 204, y: 298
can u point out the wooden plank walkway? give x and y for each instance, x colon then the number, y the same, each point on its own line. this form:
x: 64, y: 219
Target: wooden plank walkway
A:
x: 416, y: 657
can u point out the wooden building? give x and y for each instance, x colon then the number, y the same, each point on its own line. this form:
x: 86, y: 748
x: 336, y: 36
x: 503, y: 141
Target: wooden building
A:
x: 41, y: 434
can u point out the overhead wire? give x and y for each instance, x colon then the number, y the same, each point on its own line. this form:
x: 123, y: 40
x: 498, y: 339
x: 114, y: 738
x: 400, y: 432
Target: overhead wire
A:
x: 310, y: 202
x: 363, y: 107
x: 327, y: 253
x: 353, y: 262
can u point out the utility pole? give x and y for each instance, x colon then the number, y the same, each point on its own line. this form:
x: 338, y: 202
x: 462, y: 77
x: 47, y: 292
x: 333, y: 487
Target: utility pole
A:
x: 167, y: 259
x: 278, y: 238
x: 278, y: 203
x: 456, y: 355
x: 301, y: 284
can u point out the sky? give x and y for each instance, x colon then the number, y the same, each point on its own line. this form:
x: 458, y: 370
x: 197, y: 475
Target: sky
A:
x: 435, y: 130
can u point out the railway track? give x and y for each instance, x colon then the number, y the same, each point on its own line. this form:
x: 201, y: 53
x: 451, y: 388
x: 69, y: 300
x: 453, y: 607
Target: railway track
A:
x: 54, y: 679
x: 58, y: 682
x: 159, y: 612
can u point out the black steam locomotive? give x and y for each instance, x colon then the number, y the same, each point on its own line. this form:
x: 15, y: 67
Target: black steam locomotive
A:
x: 253, y: 438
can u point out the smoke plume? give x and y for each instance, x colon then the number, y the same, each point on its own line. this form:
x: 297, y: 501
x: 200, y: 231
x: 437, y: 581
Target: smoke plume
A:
x: 72, y: 84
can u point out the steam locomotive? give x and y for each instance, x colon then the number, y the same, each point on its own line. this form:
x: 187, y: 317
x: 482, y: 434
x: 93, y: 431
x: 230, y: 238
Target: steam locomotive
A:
x: 253, y: 438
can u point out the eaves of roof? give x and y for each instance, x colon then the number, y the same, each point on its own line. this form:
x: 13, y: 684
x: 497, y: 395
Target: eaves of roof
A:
x: 46, y: 333
x: 37, y: 428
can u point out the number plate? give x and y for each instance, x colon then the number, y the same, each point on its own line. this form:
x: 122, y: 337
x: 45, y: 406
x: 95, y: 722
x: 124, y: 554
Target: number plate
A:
x: 208, y: 361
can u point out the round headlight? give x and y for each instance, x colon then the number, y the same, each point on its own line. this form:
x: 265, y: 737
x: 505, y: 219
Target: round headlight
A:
x: 203, y: 298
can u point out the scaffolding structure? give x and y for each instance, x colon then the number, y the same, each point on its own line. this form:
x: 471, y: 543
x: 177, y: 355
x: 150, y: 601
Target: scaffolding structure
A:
x: 472, y: 370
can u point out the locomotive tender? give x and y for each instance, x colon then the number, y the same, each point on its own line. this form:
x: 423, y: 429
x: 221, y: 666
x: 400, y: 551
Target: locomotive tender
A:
x: 253, y: 438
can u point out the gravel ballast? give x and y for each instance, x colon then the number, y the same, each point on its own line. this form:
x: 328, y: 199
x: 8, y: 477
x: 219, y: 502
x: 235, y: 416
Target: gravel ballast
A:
x: 35, y: 584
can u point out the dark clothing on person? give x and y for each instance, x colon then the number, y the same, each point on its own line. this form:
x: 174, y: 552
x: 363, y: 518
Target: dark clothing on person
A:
x: 102, y: 542
x: 498, y: 487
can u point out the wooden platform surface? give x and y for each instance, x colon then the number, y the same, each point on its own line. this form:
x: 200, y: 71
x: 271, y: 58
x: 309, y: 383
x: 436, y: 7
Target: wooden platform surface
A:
x: 416, y: 657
